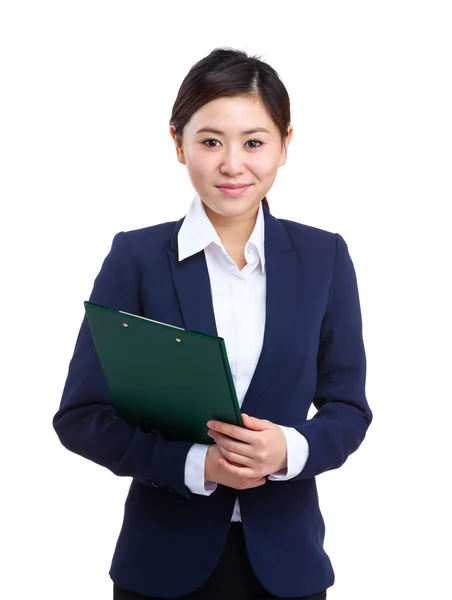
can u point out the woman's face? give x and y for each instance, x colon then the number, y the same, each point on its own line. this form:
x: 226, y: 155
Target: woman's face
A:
x: 226, y: 152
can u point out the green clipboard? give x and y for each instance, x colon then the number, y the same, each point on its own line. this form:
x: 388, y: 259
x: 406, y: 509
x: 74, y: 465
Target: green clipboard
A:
x: 164, y: 377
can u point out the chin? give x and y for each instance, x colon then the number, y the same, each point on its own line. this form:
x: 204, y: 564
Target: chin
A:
x: 228, y: 206
x: 232, y: 206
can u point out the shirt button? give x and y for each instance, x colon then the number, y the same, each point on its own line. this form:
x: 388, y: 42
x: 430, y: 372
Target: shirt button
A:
x: 249, y: 249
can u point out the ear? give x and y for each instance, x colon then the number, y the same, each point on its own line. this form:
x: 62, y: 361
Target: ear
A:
x: 178, y: 143
x: 287, y: 140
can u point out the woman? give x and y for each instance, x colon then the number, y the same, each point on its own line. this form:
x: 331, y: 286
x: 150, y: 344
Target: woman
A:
x: 239, y: 518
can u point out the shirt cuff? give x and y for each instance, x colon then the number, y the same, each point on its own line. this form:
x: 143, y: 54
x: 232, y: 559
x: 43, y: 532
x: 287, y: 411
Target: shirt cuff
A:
x: 194, y: 471
x: 297, y: 454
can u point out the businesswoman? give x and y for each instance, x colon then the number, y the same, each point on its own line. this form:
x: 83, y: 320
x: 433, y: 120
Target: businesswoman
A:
x: 237, y: 519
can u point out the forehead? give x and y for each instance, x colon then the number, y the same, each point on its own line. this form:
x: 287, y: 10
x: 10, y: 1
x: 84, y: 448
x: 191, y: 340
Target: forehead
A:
x: 231, y: 115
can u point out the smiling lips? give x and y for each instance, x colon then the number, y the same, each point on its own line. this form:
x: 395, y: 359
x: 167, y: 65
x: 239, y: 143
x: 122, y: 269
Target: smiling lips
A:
x: 234, y: 186
x: 234, y: 189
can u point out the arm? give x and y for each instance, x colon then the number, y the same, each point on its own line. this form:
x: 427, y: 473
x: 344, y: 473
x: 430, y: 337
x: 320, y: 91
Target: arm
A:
x: 86, y: 422
x: 343, y: 415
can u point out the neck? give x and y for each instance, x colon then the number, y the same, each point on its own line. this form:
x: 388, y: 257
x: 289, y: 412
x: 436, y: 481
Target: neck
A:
x: 233, y: 232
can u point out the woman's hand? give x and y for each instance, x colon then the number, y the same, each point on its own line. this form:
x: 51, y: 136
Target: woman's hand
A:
x: 215, y: 472
x: 250, y: 453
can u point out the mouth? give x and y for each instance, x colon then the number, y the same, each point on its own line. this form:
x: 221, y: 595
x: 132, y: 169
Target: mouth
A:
x: 233, y: 189
x: 234, y: 186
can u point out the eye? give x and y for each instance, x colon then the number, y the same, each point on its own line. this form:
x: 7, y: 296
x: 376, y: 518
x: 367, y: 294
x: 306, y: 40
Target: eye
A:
x: 254, y: 141
x: 207, y: 143
x: 211, y: 140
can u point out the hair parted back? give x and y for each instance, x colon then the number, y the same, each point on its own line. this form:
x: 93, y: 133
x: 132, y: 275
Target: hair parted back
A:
x: 227, y: 72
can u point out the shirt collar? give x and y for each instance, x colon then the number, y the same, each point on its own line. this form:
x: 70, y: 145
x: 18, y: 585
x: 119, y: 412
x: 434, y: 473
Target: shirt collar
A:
x: 197, y: 232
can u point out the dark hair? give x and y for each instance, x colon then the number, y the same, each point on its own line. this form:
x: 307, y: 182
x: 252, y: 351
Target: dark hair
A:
x: 226, y: 72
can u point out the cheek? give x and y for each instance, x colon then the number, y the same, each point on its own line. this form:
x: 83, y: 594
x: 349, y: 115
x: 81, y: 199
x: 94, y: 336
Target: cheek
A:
x: 265, y: 169
x: 265, y: 164
x: 199, y: 161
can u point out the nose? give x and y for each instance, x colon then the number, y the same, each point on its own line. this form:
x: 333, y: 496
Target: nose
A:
x: 231, y: 161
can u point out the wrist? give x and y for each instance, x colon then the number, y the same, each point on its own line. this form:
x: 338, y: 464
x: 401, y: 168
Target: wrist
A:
x: 207, y: 465
x: 283, y: 463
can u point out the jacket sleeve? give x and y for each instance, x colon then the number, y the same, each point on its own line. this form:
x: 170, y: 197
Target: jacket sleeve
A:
x: 343, y: 415
x: 86, y: 422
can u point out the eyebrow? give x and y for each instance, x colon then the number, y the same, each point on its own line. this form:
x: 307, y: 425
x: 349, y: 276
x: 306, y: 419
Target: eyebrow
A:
x: 218, y: 132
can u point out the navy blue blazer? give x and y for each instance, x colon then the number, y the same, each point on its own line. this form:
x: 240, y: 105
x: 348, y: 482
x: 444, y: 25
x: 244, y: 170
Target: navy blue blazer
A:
x: 313, y: 352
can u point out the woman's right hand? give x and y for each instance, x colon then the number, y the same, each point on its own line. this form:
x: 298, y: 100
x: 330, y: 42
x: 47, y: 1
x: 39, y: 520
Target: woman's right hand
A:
x: 217, y: 474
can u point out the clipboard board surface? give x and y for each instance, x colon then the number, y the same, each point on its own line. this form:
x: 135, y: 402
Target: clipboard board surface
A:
x: 164, y: 377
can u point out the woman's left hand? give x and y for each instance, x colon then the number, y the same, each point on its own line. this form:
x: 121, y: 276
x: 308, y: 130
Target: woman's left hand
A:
x: 256, y: 451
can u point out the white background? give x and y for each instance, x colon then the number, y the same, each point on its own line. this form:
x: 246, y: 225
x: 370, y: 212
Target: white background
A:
x: 86, y: 94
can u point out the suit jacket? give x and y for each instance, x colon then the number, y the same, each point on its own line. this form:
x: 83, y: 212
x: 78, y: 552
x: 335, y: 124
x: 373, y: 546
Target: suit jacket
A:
x: 313, y: 352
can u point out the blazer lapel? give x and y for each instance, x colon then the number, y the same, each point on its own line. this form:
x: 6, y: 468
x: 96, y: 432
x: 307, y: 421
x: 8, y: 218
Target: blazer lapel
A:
x: 281, y: 271
x: 192, y: 284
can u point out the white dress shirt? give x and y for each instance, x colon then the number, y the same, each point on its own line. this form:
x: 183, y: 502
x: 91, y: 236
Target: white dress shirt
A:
x: 239, y: 301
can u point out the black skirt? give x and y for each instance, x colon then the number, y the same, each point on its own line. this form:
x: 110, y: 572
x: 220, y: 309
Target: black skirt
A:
x: 233, y: 577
